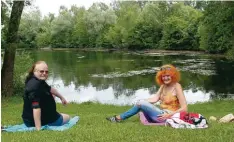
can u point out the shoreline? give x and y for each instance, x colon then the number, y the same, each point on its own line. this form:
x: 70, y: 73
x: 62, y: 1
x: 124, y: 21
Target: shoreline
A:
x: 150, y: 52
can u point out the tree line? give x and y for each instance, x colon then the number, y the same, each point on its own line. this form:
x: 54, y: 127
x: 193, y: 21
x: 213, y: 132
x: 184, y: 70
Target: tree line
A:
x: 133, y: 25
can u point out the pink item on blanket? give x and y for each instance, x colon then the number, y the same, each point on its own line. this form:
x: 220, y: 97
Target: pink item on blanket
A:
x: 145, y: 121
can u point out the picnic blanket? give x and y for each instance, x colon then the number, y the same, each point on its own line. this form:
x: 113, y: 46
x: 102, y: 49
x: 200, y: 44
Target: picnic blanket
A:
x: 23, y: 127
x: 146, y: 121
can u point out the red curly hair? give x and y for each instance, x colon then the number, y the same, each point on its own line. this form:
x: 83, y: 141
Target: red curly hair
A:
x: 167, y: 70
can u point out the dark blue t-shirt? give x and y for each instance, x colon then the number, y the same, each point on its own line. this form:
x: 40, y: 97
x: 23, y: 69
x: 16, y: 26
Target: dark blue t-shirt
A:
x: 37, y: 95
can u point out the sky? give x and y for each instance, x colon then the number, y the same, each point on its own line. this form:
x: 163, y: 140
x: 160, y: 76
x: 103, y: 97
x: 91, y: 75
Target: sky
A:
x: 52, y: 6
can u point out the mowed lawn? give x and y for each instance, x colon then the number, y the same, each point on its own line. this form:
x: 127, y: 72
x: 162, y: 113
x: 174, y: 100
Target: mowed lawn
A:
x: 93, y: 127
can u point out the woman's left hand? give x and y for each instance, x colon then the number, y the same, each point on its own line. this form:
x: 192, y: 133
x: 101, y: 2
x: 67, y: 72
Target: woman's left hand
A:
x: 164, y: 116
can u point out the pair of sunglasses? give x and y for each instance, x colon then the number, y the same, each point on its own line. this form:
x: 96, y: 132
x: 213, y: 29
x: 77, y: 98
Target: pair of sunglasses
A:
x: 43, y: 71
x: 165, y: 68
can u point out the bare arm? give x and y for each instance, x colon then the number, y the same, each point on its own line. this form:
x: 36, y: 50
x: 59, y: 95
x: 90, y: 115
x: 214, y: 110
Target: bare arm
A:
x: 57, y: 94
x: 37, y: 118
x: 156, y: 96
x: 181, y: 98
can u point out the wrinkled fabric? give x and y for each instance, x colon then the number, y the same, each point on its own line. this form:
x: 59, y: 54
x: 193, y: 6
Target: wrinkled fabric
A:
x: 144, y: 120
x: 24, y: 128
x: 176, y: 121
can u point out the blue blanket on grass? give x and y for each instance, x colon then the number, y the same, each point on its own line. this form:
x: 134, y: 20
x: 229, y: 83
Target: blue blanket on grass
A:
x: 24, y: 128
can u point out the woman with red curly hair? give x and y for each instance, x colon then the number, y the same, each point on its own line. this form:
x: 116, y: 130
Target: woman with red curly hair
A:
x: 170, y: 95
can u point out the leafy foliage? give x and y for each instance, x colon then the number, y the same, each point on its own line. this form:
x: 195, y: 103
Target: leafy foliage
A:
x: 29, y: 27
x: 216, y: 28
x: 180, y: 28
x: 120, y: 34
x: 189, y: 25
x: 98, y: 19
x: 22, y: 63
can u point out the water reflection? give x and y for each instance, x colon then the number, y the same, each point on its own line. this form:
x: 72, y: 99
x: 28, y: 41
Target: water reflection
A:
x: 117, y: 78
x: 106, y: 96
x: 128, y: 74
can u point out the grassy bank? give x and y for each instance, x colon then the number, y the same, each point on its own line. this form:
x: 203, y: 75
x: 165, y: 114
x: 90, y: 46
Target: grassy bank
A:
x: 93, y: 126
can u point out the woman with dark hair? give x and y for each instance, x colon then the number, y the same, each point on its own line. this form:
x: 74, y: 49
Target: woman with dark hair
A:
x: 39, y: 105
x: 170, y: 94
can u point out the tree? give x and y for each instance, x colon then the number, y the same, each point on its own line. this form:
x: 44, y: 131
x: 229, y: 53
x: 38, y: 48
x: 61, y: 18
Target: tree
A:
x: 98, y: 19
x: 61, y: 28
x: 5, y: 14
x: 29, y: 28
x: 43, y: 37
x: 216, y: 28
x: 11, y: 42
x: 180, y: 28
x: 148, y: 31
x: 120, y: 35
x: 196, y: 4
x: 80, y: 36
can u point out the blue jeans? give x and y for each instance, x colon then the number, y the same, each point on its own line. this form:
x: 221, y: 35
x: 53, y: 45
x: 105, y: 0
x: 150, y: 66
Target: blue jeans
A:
x: 58, y: 122
x: 150, y: 111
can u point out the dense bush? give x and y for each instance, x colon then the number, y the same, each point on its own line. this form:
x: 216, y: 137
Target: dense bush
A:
x: 22, y: 64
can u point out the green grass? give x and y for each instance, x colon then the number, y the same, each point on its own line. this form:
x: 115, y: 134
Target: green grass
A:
x: 93, y: 127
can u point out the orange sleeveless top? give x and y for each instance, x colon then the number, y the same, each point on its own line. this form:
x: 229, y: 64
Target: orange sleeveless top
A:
x: 169, y: 101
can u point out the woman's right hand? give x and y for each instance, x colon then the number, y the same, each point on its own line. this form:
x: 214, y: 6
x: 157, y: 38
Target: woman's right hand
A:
x: 38, y: 128
x: 64, y: 101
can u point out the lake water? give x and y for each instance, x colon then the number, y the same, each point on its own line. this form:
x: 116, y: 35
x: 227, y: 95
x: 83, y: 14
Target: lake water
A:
x: 123, y: 78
